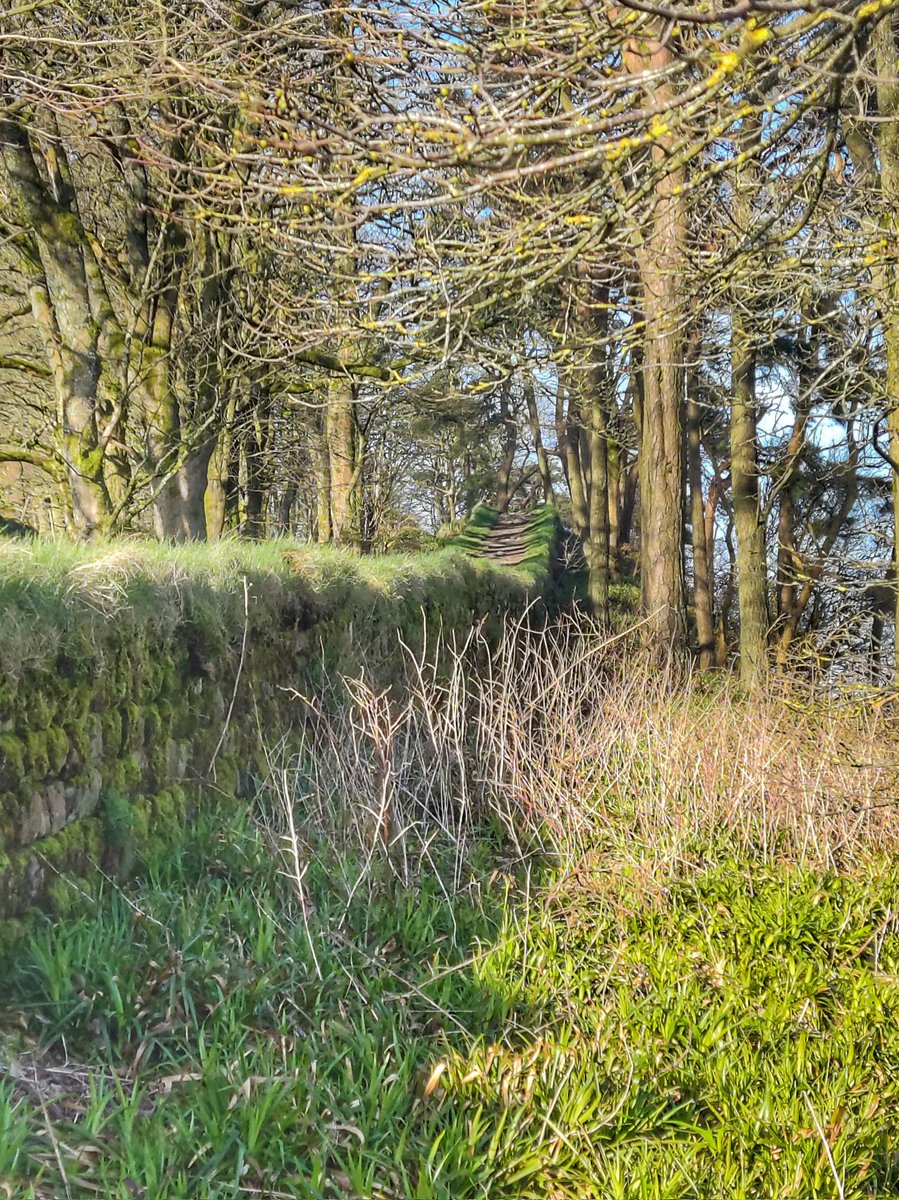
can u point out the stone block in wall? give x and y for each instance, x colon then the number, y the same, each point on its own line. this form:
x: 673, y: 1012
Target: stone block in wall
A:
x: 43, y: 813
x: 95, y: 741
x: 83, y: 797
x: 35, y: 818
x: 56, y: 805
x: 177, y: 757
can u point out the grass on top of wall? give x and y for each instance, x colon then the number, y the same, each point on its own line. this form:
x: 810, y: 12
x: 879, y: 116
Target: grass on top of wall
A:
x: 56, y: 593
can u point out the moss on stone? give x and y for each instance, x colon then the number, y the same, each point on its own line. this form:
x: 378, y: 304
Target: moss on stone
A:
x: 37, y: 760
x: 13, y: 775
x: 124, y: 775
x: 76, y: 702
x: 10, y: 804
x: 35, y: 707
x: 132, y: 726
x: 169, y: 815
x: 57, y: 748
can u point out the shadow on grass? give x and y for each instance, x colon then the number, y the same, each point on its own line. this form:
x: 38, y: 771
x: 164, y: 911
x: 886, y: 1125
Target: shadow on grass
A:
x: 620, y: 1032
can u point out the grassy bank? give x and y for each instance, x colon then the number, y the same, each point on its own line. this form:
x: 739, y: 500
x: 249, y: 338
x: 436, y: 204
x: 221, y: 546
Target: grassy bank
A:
x: 614, y: 941
x: 607, y: 1034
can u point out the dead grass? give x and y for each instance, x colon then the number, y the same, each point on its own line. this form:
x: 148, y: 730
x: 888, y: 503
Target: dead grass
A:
x: 562, y: 737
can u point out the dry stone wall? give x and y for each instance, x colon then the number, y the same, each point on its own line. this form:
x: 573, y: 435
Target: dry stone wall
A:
x: 118, y: 675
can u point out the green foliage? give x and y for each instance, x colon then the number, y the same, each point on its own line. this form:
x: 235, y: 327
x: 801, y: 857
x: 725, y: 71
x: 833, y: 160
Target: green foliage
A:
x: 619, y: 1032
x: 118, y: 827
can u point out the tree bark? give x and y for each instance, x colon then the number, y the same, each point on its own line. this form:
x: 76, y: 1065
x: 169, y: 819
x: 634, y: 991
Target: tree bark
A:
x: 570, y: 449
x: 220, y: 490
x: 340, y: 430
x: 660, y: 260
x: 60, y: 298
x: 285, y: 510
x: 546, y: 481
x: 702, y: 574
x: 749, y: 520
x: 886, y: 50
x: 322, y: 471
x: 510, y: 445
x: 787, y: 551
x: 593, y: 318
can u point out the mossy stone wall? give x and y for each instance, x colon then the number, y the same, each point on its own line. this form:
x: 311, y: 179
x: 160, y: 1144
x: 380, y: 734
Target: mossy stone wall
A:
x: 121, y: 669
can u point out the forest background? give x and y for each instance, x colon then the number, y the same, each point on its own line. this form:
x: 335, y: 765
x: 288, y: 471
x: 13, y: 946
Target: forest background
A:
x: 341, y: 271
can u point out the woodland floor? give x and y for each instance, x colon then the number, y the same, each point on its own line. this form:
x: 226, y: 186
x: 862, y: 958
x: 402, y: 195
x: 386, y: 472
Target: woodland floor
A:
x: 618, y: 1032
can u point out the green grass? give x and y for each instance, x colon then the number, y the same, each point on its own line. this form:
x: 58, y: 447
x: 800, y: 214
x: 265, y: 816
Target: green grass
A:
x: 633, y: 1032
x: 540, y: 538
x: 56, y: 594
x: 475, y: 530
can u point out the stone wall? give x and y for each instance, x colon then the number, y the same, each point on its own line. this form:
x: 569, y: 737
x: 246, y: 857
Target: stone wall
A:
x: 120, y: 668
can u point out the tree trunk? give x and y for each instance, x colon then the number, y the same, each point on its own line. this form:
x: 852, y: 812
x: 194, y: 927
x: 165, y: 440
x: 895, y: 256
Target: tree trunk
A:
x: 787, y: 552
x: 630, y: 492
x: 59, y: 293
x: 257, y: 437
x: 570, y: 449
x: 749, y: 521
x: 340, y: 429
x: 161, y: 412
x: 190, y: 484
x: 593, y: 318
x: 285, y: 510
x: 322, y: 471
x: 596, y: 549
x: 510, y: 445
x: 661, y: 442
x: 220, y: 491
x: 660, y: 261
x: 886, y: 49
x: 613, y: 466
x: 702, y: 593
x: 546, y: 481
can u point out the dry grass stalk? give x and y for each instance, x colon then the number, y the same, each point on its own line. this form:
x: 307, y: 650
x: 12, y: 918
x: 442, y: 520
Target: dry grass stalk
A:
x: 564, y: 739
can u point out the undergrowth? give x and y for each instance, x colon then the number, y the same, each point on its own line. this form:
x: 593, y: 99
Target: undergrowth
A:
x: 617, y: 942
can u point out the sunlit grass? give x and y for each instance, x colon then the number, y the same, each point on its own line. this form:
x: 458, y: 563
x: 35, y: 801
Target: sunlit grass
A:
x: 608, y: 1033
x: 55, y: 594
x: 544, y: 929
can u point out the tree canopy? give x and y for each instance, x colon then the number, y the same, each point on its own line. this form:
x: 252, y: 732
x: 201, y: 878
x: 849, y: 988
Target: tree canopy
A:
x: 344, y: 270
